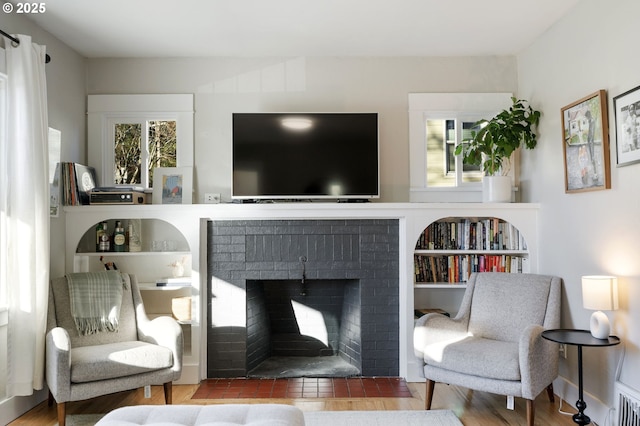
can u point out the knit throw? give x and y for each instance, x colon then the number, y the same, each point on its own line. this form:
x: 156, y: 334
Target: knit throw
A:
x: 96, y: 298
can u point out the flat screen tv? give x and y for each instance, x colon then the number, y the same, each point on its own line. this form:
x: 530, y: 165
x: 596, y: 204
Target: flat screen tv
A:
x: 301, y: 156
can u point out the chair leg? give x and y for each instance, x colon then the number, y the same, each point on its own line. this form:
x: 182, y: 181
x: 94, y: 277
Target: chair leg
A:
x: 429, y: 395
x: 62, y: 414
x: 552, y: 397
x: 168, y: 393
x: 531, y: 412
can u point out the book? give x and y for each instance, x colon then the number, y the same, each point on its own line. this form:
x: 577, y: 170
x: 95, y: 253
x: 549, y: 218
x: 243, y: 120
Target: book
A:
x: 85, y: 178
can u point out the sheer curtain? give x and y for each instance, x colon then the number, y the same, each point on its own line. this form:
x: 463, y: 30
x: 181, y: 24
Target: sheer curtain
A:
x: 24, y: 215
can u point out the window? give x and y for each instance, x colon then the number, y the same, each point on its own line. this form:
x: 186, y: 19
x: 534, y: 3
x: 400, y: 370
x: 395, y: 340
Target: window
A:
x: 133, y: 148
x: 130, y: 135
x: 444, y: 168
x: 438, y: 122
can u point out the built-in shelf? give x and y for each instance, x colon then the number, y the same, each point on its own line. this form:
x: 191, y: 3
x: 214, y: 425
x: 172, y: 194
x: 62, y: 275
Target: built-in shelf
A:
x: 440, y: 285
x: 154, y: 287
x: 491, y: 252
x: 132, y: 253
x: 190, y: 220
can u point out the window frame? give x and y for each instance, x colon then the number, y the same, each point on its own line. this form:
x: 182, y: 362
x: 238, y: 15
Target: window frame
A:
x: 105, y: 111
x: 467, y: 107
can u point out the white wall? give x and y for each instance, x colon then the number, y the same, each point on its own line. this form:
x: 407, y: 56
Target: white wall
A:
x: 593, y: 232
x: 226, y: 85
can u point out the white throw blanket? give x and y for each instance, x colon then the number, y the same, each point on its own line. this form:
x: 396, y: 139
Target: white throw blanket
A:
x: 96, y: 298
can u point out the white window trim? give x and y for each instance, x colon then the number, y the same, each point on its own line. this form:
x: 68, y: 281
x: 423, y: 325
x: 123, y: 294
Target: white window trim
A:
x: 103, y: 111
x: 461, y: 106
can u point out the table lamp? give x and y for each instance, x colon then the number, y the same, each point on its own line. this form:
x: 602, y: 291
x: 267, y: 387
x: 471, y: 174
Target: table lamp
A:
x: 600, y: 293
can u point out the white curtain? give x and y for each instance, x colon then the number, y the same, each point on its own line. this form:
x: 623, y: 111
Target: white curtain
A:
x: 24, y: 215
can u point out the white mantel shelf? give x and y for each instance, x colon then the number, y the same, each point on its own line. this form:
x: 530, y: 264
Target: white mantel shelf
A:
x: 302, y: 209
x: 413, y: 219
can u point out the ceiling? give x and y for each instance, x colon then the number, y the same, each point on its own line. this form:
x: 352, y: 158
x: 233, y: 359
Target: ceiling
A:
x: 206, y: 28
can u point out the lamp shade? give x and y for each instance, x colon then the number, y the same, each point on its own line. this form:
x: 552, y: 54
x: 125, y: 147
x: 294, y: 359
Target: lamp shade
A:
x: 599, y: 292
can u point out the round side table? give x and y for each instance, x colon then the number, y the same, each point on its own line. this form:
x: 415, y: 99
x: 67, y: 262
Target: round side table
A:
x: 579, y: 338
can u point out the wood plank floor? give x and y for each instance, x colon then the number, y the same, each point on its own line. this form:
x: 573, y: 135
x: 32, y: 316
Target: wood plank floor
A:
x: 473, y: 408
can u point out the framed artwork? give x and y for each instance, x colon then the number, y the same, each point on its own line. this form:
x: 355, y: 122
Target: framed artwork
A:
x: 625, y: 107
x: 172, y: 185
x: 585, y: 141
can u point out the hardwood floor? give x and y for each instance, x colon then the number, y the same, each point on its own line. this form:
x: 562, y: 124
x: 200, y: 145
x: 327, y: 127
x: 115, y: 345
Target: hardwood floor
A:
x: 473, y: 408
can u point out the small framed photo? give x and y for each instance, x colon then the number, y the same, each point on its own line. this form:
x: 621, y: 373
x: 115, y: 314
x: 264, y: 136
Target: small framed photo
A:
x: 172, y: 185
x: 626, y: 108
x: 585, y: 139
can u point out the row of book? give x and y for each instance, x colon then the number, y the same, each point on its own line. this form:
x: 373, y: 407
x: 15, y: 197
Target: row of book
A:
x: 469, y: 234
x: 457, y: 268
x: 77, y: 181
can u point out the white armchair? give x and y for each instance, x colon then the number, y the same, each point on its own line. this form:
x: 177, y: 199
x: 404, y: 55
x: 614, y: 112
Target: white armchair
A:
x: 494, y: 343
x: 142, y: 352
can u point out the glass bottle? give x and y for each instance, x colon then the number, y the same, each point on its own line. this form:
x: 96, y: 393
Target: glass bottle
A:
x: 119, y: 239
x: 105, y: 240
x: 99, y: 232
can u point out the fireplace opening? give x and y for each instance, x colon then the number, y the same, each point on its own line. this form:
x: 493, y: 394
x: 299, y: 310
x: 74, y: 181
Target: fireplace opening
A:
x: 303, y: 328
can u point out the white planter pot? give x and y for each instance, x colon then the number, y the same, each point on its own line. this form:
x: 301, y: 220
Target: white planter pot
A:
x: 496, y: 189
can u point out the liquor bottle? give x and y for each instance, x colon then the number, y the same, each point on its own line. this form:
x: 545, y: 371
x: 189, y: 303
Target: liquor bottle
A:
x: 99, y: 232
x: 105, y: 238
x: 119, y: 238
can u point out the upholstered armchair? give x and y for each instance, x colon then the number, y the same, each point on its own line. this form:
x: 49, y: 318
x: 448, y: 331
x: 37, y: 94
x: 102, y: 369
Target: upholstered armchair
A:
x: 494, y: 343
x: 136, y: 352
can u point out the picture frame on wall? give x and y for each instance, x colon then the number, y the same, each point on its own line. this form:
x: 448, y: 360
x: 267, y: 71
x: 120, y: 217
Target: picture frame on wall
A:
x: 626, y: 108
x: 172, y: 185
x: 585, y: 141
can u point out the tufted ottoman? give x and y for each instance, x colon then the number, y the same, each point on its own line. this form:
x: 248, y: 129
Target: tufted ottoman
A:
x: 205, y: 415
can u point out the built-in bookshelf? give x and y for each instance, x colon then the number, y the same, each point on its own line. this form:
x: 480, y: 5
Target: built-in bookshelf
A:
x: 162, y: 261
x: 450, y: 249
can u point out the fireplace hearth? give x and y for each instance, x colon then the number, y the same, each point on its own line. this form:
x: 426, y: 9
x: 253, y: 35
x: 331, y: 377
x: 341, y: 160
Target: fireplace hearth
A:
x: 303, y: 288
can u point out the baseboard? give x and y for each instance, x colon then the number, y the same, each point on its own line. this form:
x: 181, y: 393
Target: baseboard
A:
x: 597, y: 410
x: 14, y: 407
x: 190, y: 375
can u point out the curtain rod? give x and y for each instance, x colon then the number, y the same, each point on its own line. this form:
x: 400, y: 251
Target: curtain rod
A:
x: 13, y: 39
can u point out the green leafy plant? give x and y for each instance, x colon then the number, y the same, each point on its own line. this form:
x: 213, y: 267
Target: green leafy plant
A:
x: 497, y: 138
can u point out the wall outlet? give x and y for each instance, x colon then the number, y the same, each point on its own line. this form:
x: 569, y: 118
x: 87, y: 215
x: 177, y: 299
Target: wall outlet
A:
x: 563, y: 350
x: 211, y: 198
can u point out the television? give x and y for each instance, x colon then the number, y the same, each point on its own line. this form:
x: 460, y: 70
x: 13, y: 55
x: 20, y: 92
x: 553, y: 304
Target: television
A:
x: 305, y: 156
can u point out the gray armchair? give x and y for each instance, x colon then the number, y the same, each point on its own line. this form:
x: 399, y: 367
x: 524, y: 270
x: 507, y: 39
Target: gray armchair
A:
x: 141, y: 352
x: 494, y: 343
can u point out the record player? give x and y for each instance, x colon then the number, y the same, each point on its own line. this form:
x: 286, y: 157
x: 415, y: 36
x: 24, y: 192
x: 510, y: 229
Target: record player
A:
x: 117, y: 195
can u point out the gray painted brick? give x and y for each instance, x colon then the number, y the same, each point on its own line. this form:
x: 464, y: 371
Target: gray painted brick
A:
x: 336, y: 249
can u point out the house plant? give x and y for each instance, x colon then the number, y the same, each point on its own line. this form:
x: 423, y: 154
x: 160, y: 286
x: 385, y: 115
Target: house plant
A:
x: 492, y: 145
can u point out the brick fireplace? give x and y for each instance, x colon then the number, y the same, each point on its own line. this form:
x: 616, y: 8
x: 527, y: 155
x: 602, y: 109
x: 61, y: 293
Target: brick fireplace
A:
x: 351, y: 263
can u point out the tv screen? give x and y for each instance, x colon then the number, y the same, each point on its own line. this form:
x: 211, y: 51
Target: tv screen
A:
x: 305, y: 155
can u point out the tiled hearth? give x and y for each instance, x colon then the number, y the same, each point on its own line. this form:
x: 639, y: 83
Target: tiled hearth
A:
x: 306, y: 387
x: 360, y: 256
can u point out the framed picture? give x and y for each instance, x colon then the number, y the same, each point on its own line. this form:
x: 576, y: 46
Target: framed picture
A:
x: 625, y: 107
x: 585, y: 139
x: 172, y: 185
